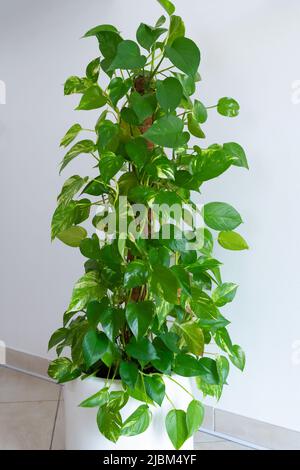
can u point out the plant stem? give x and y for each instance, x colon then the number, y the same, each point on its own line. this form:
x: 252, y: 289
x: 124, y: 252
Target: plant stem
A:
x: 165, y: 70
x: 179, y: 385
x: 169, y: 399
x: 157, y: 67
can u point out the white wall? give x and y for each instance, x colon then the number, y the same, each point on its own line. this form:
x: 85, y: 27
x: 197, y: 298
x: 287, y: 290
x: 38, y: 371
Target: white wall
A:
x: 250, y: 51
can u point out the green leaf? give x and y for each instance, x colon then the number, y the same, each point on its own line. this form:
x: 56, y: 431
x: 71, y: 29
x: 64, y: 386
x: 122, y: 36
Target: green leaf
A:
x: 238, y: 357
x: 108, y: 45
x: 167, y: 132
x: 237, y: 154
x: 63, y: 370
x: 138, y: 422
x: 118, y: 88
x: 94, y: 310
x: 141, y: 194
x: 155, y: 388
x: 108, y: 133
x: 186, y: 365
x: 164, y: 282
x: 129, y: 116
x: 109, y: 165
x: 142, y: 350
x: 70, y: 188
x: 177, y: 428
x: 210, y: 164
x: 223, y: 368
x: 194, y: 417
x: 96, y: 187
x: 118, y: 399
x: 177, y: 29
x: 169, y: 198
x: 147, y: 35
x: 137, y: 151
x: 98, y: 29
x: 109, y: 423
x: 72, y: 236
x: 170, y: 340
x: 90, y: 248
x: 93, y: 69
x: 193, y: 337
x: 232, y: 241
x: 208, y: 371
x: 210, y: 390
x: 165, y: 357
x: 98, y: 399
x: 139, y: 317
x: 128, y: 56
x: 143, y: 105
x: 199, y: 112
x: 129, y: 373
x: 94, y: 346
x: 63, y: 218
x: 88, y: 288
x: 139, y: 392
x: 223, y: 340
x: 194, y: 128
x: 83, y: 208
x: 224, y: 294
x: 188, y: 85
x: 84, y: 146
x: 71, y: 134
x: 112, y: 321
x: 136, y: 274
x: 183, y: 278
x: 221, y: 216
x: 168, y: 6
x: 228, y: 107
x: 185, y: 55
x: 159, y: 255
x: 57, y: 337
x: 76, y: 85
x: 92, y: 98
x: 161, y: 21
x: 160, y: 167
x: 169, y: 93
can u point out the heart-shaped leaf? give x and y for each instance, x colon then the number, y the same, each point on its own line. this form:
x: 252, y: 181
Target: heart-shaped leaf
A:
x: 185, y: 55
x: 128, y: 56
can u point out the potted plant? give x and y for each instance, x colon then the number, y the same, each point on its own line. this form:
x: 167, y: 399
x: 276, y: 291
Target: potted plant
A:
x: 141, y: 316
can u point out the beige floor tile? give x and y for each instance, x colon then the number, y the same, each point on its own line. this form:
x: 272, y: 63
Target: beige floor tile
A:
x: 58, y: 442
x: 222, y: 445
x: 19, y: 387
x: 26, y: 426
x: 205, y: 437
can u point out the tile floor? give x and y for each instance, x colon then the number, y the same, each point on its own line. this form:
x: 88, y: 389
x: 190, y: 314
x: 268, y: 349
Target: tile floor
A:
x: 31, y: 416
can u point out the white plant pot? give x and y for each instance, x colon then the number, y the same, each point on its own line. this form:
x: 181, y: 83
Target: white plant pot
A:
x: 81, y: 427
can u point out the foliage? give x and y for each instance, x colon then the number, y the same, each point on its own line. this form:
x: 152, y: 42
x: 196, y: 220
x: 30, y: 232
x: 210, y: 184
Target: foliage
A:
x: 146, y: 308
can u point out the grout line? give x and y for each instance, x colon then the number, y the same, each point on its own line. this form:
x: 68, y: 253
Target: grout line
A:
x: 55, y: 419
x: 226, y: 437
x: 26, y: 401
x: 33, y: 374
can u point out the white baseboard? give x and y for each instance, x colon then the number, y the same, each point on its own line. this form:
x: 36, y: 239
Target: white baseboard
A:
x: 221, y: 423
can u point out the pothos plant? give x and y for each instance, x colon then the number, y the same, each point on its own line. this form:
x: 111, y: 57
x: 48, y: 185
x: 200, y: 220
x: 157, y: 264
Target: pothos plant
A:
x: 146, y: 308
